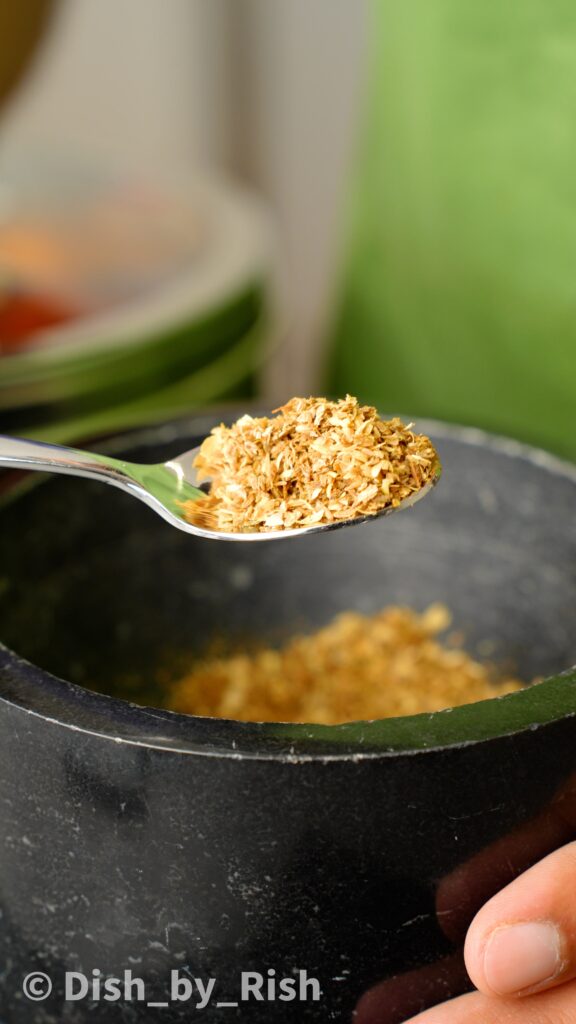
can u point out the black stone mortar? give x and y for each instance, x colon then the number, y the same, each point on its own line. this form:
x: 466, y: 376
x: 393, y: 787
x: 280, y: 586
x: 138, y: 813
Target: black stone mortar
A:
x: 135, y: 839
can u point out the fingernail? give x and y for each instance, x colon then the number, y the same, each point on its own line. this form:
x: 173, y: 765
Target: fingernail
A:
x: 521, y: 956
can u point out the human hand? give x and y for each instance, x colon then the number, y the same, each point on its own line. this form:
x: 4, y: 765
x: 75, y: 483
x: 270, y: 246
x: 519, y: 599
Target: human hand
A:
x: 533, y: 887
x: 520, y: 952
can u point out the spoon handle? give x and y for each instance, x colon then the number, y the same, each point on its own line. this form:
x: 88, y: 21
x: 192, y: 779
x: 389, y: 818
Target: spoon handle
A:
x: 20, y: 453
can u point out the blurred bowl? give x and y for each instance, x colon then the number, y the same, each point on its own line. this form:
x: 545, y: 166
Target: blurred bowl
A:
x: 230, y: 376
x: 194, y: 303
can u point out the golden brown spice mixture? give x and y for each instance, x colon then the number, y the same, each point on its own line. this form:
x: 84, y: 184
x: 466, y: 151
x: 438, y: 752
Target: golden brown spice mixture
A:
x: 357, y: 667
x: 316, y: 462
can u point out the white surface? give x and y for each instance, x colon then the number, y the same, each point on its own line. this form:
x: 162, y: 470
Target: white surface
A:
x: 300, y: 82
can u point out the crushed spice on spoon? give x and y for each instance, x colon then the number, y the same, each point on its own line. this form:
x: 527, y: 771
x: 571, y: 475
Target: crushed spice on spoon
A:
x: 317, y: 462
x: 358, y: 667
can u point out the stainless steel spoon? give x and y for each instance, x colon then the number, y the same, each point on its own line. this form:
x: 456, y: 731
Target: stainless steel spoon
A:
x: 164, y: 487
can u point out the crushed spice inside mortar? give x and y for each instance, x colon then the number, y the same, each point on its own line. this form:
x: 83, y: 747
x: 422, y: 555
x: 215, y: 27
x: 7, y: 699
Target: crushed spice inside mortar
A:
x: 357, y: 667
x: 317, y: 462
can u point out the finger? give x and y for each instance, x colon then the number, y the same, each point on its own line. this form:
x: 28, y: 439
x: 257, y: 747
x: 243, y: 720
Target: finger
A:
x: 556, y: 1007
x: 524, y: 939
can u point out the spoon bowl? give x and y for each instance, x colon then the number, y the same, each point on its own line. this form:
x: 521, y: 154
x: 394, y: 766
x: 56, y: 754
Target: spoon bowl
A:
x: 167, y: 487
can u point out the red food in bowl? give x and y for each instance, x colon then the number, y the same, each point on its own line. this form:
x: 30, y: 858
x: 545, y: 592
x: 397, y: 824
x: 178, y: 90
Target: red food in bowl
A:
x: 22, y: 315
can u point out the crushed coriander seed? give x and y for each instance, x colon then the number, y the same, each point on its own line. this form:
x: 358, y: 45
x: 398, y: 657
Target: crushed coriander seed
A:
x: 314, y: 463
x: 357, y: 667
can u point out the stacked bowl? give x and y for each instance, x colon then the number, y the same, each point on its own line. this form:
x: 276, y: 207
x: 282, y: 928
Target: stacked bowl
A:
x: 161, y: 293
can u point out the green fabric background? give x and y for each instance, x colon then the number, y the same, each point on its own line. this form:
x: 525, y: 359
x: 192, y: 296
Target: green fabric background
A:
x: 459, y: 296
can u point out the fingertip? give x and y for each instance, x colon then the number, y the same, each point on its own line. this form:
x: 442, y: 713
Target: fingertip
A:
x: 473, y: 956
x: 515, y: 959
